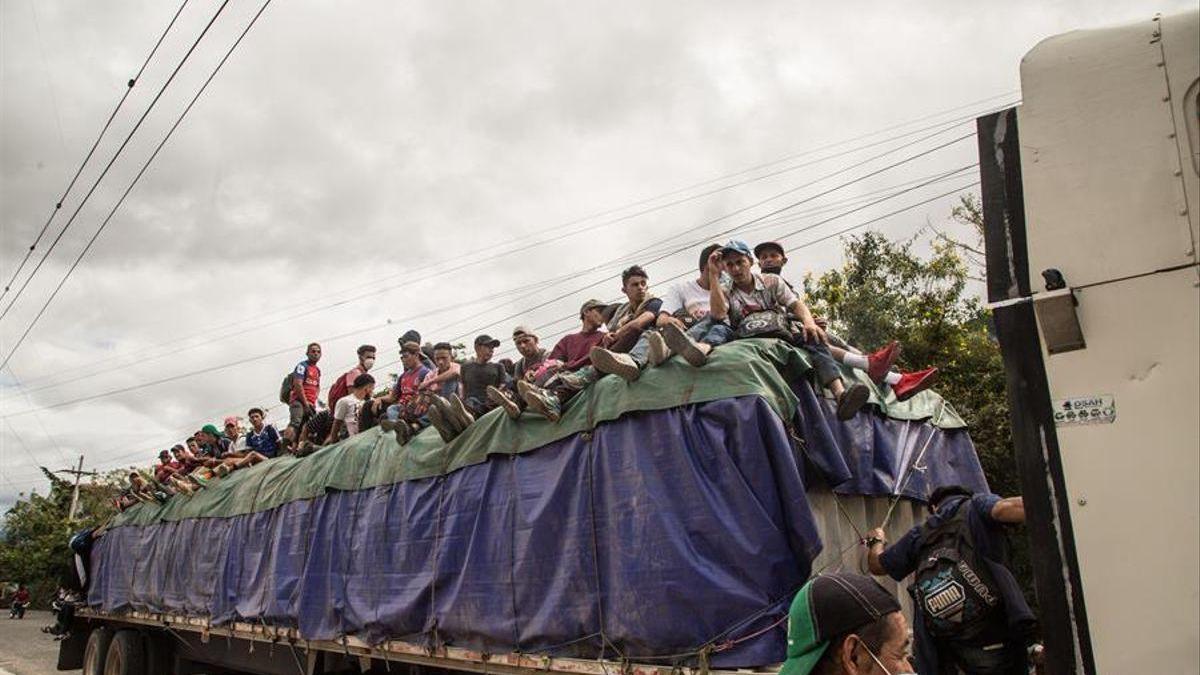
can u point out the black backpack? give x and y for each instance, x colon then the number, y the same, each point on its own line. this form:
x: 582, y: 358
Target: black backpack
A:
x: 953, y: 586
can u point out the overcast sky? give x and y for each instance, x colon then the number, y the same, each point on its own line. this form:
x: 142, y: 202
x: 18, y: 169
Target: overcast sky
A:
x: 383, y: 154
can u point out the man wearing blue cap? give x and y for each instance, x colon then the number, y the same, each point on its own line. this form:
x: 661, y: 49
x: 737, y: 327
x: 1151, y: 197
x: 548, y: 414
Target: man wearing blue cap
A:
x: 846, y: 624
x: 759, y: 295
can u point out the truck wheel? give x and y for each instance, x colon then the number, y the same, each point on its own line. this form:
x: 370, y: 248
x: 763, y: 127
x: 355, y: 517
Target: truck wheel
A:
x: 96, y: 650
x: 126, y: 655
x: 159, y: 650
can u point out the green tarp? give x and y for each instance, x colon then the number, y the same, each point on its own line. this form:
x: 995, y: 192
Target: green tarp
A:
x: 761, y: 367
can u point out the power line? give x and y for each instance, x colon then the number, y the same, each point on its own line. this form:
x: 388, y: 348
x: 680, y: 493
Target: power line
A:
x: 259, y: 324
x: 58, y: 205
x: 112, y: 161
x: 137, y: 177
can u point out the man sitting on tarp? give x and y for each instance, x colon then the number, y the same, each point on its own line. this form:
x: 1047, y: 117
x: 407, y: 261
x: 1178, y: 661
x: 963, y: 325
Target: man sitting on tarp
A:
x: 404, y: 404
x: 346, y: 412
x: 534, y: 367
x: 576, y: 371
x: 451, y: 415
x: 634, y: 343
x: 969, y: 612
x: 763, y: 306
x: 214, y: 445
x: 771, y: 259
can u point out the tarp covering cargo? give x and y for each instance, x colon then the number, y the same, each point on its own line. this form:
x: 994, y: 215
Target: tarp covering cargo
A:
x: 657, y: 520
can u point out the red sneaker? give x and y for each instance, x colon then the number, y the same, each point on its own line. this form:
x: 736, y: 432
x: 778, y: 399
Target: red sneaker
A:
x: 879, y: 363
x: 912, y: 383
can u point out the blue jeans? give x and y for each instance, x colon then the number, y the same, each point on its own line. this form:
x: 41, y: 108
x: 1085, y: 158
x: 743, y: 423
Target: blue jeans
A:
x: 640, y: 349
x: 711, y: 332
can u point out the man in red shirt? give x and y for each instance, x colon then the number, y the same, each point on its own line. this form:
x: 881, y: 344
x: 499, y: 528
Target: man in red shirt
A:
x: 166, y: 468
x: 306, y: 383
x: 576, y: 373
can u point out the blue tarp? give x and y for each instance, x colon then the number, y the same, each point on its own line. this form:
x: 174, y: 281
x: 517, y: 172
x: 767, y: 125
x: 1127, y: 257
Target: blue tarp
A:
x: 658, y: 533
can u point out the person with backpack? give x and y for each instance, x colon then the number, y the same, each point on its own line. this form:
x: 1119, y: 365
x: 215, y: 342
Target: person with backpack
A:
x: 299, y: 391
x: 969, y: 613
x: 342, y: 386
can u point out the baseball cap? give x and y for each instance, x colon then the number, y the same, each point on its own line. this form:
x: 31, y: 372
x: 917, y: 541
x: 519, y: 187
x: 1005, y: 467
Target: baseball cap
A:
x: 591, y: 304
x: 826, y: 607
x: 737, y: 246
x: 768, y: 246
x: 488, y: 340
x: 521, y: 331
x: 231, y: 420
x: 210, y: 429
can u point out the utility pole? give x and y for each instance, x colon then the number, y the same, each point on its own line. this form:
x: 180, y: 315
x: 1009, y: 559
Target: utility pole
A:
x: 78, y: 472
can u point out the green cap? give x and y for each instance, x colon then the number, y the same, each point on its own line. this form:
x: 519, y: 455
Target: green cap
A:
x: 827, y: 606
x: 210, y: 429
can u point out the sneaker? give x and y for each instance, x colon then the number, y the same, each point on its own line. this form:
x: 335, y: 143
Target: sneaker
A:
x: 542, y: 402
x: 524, y: 387
x: 502, y: 399
x: 681, y: 343
x: 880, y: 362
x: 621, y: 365
x: 911, y: 384
x: 388, y: 424
x: 852, y: 400
x: 459, y: 413
x: 659, y: 351
x: 444, y: 427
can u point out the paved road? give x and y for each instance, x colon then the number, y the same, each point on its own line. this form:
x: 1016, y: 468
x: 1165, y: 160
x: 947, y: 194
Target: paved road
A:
x: 24, y: 648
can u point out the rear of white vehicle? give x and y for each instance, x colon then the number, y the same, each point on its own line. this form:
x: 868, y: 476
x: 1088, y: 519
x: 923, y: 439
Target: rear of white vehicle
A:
x: 1091, y: 189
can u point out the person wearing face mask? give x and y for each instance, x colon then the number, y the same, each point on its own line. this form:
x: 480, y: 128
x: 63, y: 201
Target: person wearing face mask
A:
x: 846, y: 624
x: 342, y: 386
x: 771, y: 259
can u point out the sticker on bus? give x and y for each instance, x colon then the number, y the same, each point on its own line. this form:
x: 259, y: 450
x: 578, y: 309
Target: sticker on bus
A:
x: 1084, y: 410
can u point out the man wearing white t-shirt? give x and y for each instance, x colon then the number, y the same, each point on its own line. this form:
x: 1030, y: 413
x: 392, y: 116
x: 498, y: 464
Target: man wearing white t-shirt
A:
x: 346, y: 412
x: 688, y: 308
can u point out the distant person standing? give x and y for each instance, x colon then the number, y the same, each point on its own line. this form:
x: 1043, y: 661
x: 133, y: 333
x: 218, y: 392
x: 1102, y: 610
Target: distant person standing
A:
x: 969, y: 613
x: 306, y: 384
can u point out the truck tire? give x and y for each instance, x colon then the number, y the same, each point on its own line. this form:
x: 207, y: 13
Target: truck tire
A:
x: 159, y: 654
x: 126, y: 654
x: 96, y: 650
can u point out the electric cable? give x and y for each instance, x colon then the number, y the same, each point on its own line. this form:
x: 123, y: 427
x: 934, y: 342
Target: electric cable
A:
x: 137, y: 177
x: 58, y: 205
x: 116, y: 155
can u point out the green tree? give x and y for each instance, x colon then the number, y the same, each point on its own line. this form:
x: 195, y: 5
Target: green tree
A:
x: 886, y: 290
x: 33, y: 543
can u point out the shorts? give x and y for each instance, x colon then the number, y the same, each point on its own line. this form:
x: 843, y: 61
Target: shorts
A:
x: 297, y: 415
